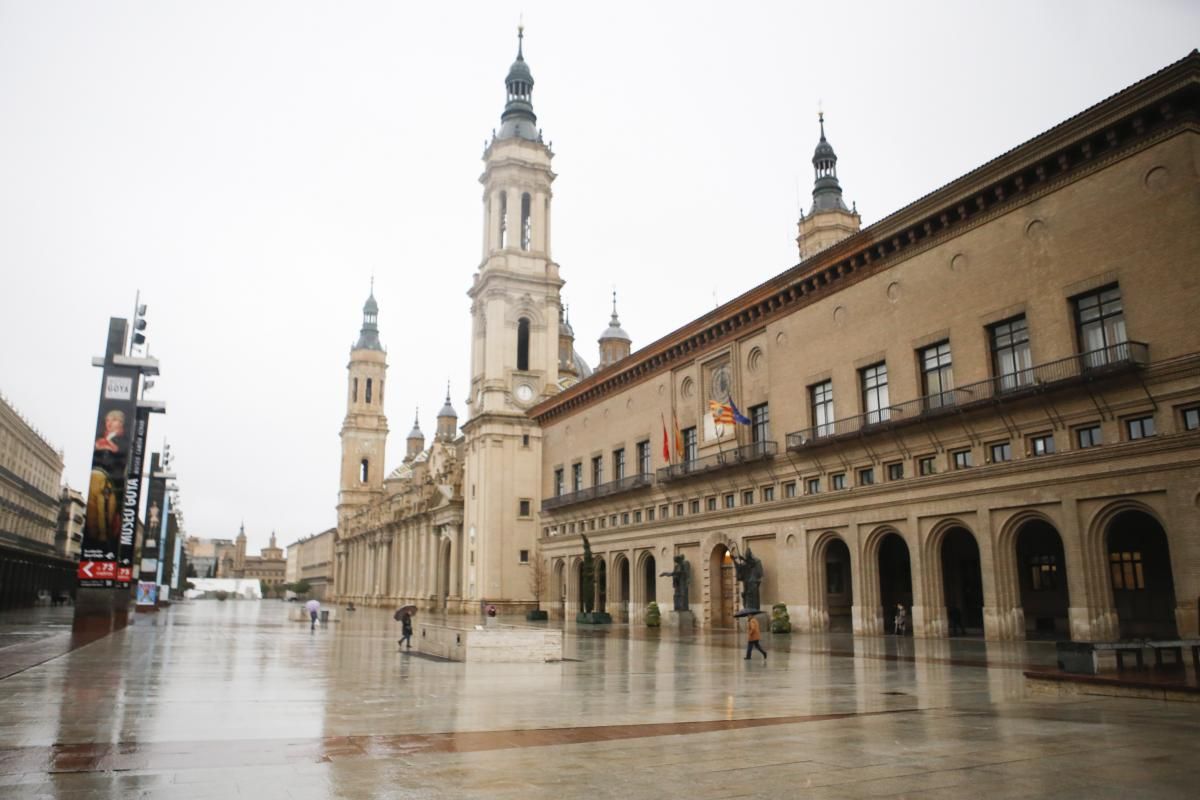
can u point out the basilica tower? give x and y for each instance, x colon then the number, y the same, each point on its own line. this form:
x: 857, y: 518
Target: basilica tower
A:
x: 364, y: 430
x: 829, y: 221
x: 515, y: 313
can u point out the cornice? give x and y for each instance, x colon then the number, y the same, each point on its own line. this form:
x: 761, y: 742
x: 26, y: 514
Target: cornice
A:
x: 1158, y: 107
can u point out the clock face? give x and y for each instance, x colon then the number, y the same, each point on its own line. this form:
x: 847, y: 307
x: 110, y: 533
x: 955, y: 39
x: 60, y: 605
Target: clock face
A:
x: 524, y: 392
x: 722, y: 383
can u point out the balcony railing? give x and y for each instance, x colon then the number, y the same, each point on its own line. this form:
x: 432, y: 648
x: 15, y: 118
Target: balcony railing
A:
x: 626, y: 484
x: 1090, y: 365
x: 734, y: 456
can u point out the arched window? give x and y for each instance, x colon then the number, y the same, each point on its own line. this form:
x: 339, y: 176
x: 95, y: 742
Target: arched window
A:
x: 526, y: 221
x: 363, y: 471
x: 503, y: 238
x: 523, y: 344
x: 368, y: 391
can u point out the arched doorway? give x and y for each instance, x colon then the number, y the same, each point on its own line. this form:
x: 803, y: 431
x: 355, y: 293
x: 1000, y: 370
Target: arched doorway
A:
x: 1139, y: 564
x: 962, y: 582
x: 1042, y: 571
x: 839, y: 590
x: 601, y: 585
x: 649, y: 577
x: 895, y: 579
x: 722, y: 587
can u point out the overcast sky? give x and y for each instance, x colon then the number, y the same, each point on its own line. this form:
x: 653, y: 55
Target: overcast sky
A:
x: 249, y: 165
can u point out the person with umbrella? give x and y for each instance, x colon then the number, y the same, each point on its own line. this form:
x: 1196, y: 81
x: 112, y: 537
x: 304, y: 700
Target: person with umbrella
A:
x: 753, y: 635
x: 313, y: 607
x: 404, y: 617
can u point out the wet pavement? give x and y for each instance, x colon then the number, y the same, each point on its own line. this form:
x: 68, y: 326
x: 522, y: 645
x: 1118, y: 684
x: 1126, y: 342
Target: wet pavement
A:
x: 230, y: 700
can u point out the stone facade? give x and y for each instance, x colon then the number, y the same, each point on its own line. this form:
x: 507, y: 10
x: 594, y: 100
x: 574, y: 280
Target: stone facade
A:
x: 311, y: 559
x: 270, y: 567
x: 72, y: 510
x: 984, y: 408
x: 30, y: 474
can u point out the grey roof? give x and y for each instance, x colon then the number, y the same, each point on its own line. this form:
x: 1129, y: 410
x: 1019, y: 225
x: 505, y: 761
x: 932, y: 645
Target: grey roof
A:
x: 827, y: 192
x: 518, y: 120
x: 447, y: 409
x: 581, y: 366
x: 368, y: 336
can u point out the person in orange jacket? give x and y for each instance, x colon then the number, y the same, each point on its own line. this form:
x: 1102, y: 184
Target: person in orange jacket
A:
x: 752, y: 637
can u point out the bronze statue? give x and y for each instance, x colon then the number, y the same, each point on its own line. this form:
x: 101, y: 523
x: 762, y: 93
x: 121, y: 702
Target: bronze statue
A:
x: 750, y: 574
x: 679, y: 580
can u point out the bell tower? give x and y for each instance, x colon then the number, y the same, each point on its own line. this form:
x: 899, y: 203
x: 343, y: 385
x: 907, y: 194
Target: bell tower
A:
x: 364, y: 430
x: 516, y: 313
x: 829, y: 221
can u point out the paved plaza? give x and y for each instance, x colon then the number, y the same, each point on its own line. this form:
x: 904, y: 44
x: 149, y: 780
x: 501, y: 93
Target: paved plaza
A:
x: 231, y: 700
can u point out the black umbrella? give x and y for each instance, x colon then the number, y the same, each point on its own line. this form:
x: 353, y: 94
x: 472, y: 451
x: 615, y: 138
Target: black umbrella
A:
x: 406, y: 611
x: 748, y: 612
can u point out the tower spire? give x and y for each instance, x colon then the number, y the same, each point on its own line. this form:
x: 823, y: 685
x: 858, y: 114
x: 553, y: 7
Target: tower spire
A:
x: 518, y: 120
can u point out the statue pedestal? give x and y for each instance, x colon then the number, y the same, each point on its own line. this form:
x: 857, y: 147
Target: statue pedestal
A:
x: 683, y: 620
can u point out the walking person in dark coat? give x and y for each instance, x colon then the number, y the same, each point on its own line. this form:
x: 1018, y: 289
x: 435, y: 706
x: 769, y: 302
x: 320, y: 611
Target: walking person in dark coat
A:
x: 406, y: 630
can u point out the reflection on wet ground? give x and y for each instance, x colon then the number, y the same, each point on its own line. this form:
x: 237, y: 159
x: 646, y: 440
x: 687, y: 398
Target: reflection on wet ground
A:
x: 232, y: 700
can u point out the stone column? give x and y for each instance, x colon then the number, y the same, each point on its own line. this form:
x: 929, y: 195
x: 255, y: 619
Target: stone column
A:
x: 1182, y: 527
x: 928, y: 603
x: 455, y: 557
x: 1092, y: 613
x: 997, y: 624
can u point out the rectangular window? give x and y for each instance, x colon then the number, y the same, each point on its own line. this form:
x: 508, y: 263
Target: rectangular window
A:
x: 759, y: 419
x: 1043, y: 571
x: 1100, y: 326
x: 612, y: 521
x: 812, y: 486
x: 768, y: 494
x: 962, y: 459
x: 1127, y: 571
x: 689, y: 444
x: 1012, y: 363
x: 874, y: 382
x: 820, y: 397
x: 926, y: 465
x: 625, y: 518
x: 523, y: 508
x: 789, y: 489
x: 838, y: 481
x: 729, y: 501
x: 1000, y: 451
x: 603, y: 523
x: 558, y: 482
x: 866, y: 477
x: 748, y: 498
x: 679, y: 509
x: 524, y: 556
x: 576, y: 477
x: 1191, y: 419
x: 367, y: 396
x: 1041, y: 445
x: 618, y: 463
x: 664, y: 512
x: 525, y: 440
x: 571, y: 528
x: 694, y: 506
x: 354, y: 392
x: 592, y: 524
x: 643, y: 457
x: 597, y: 470
x: 637, y: 516
x: 649, y: 515
x: 1087, y: 436
x: 937, y: 376
x: 895, y: 471
x: 1139, y: 427
x: 710, y: 503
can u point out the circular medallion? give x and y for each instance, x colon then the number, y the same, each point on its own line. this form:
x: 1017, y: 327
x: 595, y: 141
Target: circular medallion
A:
x: 523, y: 392
x: 722, y: 383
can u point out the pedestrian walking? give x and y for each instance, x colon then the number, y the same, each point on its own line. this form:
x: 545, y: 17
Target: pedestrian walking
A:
x: 900, y: 622
x: 313, y: 606
x: 753, y: 635
x: 406, y: 631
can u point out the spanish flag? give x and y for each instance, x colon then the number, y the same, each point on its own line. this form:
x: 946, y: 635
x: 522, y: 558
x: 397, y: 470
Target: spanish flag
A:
x: 666, y: 441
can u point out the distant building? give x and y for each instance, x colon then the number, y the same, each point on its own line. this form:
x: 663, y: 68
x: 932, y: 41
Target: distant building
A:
x: 30, y: 474
x: 71, y: 511
x: 270, y: 567
x: 205, y: 554
x: 311, y: 560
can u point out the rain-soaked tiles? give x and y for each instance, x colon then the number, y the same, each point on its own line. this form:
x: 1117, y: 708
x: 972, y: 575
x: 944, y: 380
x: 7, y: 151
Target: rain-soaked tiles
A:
x: 230, y: 699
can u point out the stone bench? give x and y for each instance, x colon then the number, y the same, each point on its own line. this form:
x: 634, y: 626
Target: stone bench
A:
x: 1083, y: 657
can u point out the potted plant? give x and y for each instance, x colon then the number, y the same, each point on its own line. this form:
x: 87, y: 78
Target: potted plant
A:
x: 653, y: 615
x: 780, y: 621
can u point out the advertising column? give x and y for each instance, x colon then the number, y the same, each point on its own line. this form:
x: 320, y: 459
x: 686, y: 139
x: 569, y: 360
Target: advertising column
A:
x: 148, y: 569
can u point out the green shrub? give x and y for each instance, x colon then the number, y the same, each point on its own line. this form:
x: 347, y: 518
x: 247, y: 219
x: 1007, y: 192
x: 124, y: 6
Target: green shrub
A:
x: 780, y: 621
x: 653, y: 616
